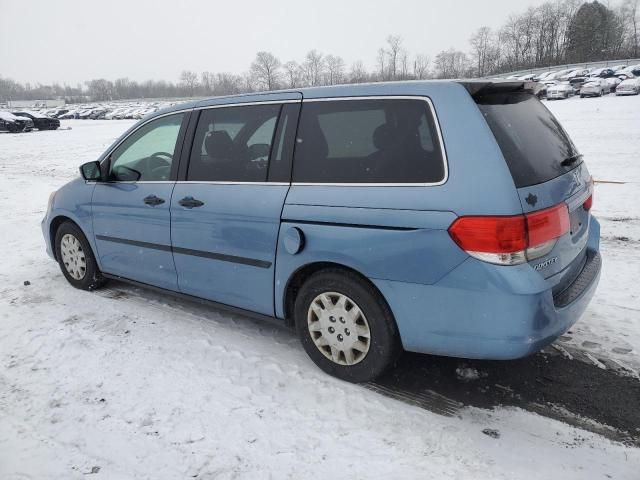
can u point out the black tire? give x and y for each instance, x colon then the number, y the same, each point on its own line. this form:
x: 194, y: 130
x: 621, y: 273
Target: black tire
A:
x: 92, y: 278
x: 384, y: 347
x: 581, y: 96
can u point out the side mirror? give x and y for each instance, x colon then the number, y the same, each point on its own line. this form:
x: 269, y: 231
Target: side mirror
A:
x: 91, y: 171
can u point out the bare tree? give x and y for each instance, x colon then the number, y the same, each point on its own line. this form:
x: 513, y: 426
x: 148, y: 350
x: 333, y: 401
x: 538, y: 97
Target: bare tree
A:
x: 189, y: 80
x: 421, y: 67
x: 207, y: 81
x: 451, y: 64
x: 293, y: 74
x: 382, y: 64
x: 481, y: 44
x: 358, y: 73
x: 395, y: 52
x: 227, y: 84
x: 99, y: 89
x: 629, y: 12
x: 313, y: 67
x: 266, y: 70
x: 334, y: 69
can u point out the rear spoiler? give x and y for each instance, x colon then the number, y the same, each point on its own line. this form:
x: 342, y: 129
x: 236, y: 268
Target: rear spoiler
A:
x: 479, y: 87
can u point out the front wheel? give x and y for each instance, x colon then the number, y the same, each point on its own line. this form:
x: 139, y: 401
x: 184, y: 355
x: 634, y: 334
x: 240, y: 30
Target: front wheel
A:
x: 345, y: 326
x: 76, y: 259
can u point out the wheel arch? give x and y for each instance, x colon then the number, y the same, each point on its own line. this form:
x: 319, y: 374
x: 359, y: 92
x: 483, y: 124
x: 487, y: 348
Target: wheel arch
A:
x: 304, y: 272
x: 54, y: 225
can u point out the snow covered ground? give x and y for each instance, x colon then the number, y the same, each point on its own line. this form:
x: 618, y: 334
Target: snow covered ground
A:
x: 126, y: 384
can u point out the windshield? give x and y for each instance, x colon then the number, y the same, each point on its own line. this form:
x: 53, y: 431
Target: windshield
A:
x: 534, y: 144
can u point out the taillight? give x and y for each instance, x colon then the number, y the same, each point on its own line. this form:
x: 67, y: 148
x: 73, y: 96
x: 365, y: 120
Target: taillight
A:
x: 588, y: 203
x: 511, y: 240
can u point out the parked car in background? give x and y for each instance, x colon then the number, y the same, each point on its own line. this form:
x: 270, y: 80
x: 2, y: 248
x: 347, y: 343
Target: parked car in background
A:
x: 595, y: 87
x: 542, y: 76
x: 577, y: 82
x: 70, y: 114
x: 605, y: 72
x: 613, y: 83
x: 632, y: 69
x: 560, y: 91
x: 496, y: 271
x: 10, y: 123
x: 23, y: 124
x: 629, y: 87
x: 580, y: 72
x: 40, y: 121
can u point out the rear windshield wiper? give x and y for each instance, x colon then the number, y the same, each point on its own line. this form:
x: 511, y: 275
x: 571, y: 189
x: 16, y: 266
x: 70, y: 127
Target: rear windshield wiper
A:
x: 567, y: 162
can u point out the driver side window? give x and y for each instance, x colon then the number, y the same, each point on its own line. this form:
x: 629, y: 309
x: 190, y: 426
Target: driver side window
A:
x: 147, y: 154
x: 233, y: 144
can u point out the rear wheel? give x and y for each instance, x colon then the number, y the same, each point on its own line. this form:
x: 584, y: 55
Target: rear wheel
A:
x: 76, y: 258
x: 345, y: 326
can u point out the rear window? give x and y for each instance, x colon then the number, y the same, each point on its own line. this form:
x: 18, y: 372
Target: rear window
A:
x: 534, y: 144
x: 368, y: 141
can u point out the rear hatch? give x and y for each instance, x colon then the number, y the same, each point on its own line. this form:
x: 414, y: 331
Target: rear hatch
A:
x: 547, y: 170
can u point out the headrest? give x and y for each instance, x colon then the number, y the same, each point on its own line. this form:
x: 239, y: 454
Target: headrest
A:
x: 219, y: 145
x: 384, y: 136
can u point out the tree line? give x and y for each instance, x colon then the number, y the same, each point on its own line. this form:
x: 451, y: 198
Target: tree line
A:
x: 556, y: 32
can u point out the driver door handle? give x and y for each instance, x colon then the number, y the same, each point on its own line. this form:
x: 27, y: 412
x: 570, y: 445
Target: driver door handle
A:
x: 153, y: 200
x: 190, y: 202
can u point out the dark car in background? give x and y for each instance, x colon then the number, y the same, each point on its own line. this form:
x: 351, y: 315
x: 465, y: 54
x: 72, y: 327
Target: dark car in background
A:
x: 40, y: 121
x: 11, y: 123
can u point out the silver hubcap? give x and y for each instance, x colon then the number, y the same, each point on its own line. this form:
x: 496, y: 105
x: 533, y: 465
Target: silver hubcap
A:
x: 339, y: 328
x: 73, y: 256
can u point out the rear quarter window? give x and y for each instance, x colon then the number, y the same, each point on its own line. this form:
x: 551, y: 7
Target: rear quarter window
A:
x: 368, y: 141
x: 534, y: 144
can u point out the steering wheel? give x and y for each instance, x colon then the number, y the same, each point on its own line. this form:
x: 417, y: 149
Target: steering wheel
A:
x: 161, y: 171
x: 159, y: 155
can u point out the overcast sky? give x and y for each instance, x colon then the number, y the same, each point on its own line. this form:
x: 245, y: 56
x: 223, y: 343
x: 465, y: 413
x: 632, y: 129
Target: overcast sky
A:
x: 69, y: 41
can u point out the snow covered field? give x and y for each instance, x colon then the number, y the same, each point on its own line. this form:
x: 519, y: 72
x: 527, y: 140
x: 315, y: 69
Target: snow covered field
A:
x: 126, y: 384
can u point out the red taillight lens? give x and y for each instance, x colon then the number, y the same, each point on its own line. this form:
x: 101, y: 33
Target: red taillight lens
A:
x: 588, y: 203
x: 547, y: 224
x: 511, y: 240
x: 490, y: 234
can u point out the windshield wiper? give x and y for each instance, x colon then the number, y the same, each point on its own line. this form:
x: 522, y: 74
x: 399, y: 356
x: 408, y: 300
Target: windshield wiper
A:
x: 567, y: 162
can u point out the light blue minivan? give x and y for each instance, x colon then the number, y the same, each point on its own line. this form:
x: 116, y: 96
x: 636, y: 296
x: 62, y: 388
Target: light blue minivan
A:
x: 444, y: 217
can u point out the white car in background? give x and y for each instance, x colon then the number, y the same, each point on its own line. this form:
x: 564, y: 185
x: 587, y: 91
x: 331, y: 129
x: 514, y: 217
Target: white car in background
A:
x: 595, y: 87
x: 560, y: 91
x: 629, y: 87
x: 613, y: 82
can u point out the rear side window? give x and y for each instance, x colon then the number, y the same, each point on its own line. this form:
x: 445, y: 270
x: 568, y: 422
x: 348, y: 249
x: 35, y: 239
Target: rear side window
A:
x: 368, y: 141
x: 534, y: 144
x: 233, y: 144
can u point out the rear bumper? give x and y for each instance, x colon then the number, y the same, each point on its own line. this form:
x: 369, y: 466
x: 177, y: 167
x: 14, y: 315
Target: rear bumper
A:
x: 490, y: 312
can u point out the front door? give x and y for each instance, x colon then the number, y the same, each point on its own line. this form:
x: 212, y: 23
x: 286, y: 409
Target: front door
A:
x: 226, y: 212
x: 131, y: 211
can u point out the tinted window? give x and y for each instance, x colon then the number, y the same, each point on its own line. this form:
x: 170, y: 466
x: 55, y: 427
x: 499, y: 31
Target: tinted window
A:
x: 147, y: 154
x: 533, y: 142
x: 233, y: 144
x: 368, y: 141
